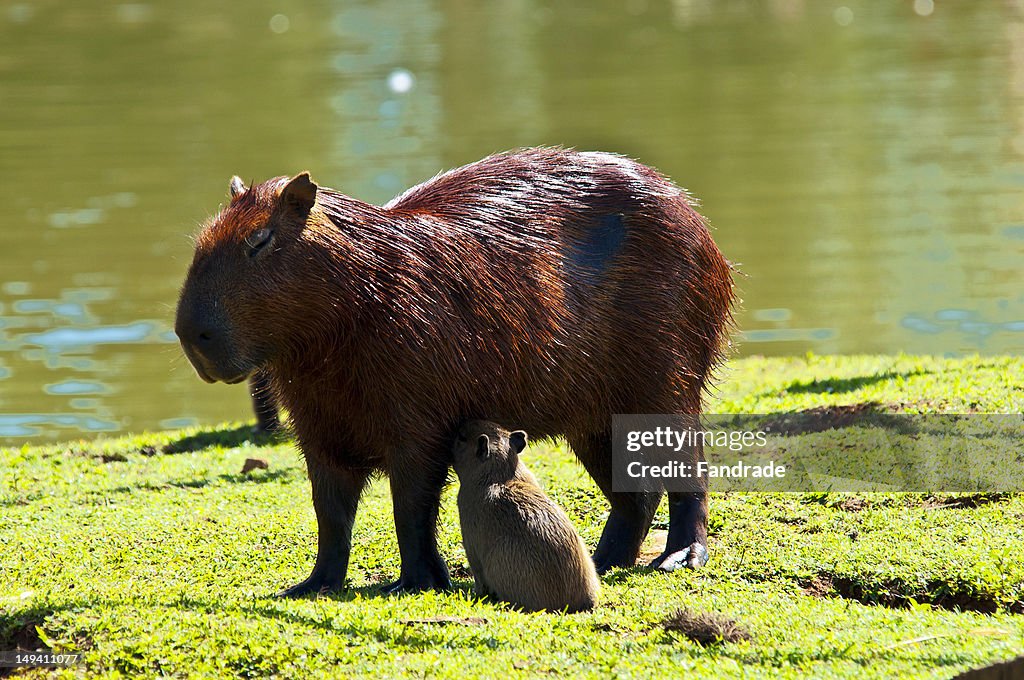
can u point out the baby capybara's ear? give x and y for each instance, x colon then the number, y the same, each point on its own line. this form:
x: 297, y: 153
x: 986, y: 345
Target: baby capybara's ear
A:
x: 300, y: 193
x: 237, y: 187
x: 517, y: 441
x: 483, y: 447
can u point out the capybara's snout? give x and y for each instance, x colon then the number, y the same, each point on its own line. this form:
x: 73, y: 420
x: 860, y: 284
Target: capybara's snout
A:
x: 205, y: 336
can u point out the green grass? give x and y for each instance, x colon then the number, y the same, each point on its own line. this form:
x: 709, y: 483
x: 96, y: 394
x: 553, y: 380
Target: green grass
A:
x: 166, y: 563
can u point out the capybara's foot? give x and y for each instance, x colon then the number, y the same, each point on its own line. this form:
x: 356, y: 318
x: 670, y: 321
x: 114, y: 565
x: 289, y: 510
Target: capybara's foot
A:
x: 313, y: 585
x: 620, y: 541
x: 404, y: 586
x: 604, y: 560
x: 417, y: 581
x: 694, y: 556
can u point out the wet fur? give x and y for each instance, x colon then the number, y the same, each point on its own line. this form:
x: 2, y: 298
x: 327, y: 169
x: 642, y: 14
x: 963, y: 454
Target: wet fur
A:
x: 584, y: 284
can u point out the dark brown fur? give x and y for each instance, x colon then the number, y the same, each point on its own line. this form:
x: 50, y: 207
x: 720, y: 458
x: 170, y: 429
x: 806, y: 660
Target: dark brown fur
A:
x: 583, y: 283
x: 521, y: 546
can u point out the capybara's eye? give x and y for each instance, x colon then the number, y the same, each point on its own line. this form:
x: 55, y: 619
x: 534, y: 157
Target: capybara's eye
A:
x: 258, y: 239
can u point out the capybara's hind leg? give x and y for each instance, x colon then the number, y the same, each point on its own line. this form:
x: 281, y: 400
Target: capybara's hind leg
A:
x: 687, y: 532
x: 416, y: 486
x: 631, y: 514
x: 336, y: 494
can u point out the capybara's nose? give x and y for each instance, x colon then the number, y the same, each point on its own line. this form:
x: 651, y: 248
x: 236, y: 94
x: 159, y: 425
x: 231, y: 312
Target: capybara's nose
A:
x: 196, y: 331
x: 191, y: 333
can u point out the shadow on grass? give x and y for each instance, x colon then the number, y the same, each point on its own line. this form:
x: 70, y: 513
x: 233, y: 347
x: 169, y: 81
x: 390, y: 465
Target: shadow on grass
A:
x: 868, y: 414
x: 261, y: 477
x: 624, y: 574
x: 227, y: 438
x: 841, y: 385
x: 415, y: 633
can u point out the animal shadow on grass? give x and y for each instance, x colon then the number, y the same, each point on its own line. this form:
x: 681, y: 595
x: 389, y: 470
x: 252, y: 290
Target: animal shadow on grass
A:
x: 372, y: 591
x: 228, y: 438
x: 824, y: 418
x: 412, y: 634
x: 623, y: 574
x: 840, y: 385
x: 261, y: 477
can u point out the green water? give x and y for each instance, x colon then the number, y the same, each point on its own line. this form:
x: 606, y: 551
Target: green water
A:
x: 863, y: 163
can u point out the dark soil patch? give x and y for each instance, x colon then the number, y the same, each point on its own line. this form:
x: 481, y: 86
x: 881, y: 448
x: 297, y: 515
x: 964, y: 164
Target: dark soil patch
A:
x: 705, y: 628
x: 965, y: 501
x: 818, y: 586
x: 18, y: 633
x: 900, y: 595
x: 852, y: 504
x: 460, y: 571
x: 21, y: 634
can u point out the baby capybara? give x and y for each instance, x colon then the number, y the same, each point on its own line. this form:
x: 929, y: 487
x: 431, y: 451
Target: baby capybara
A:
x: 584, y: 283
x: 520, y: 545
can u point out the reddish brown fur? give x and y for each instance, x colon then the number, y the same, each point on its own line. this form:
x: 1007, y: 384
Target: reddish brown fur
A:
x: 385, y: 327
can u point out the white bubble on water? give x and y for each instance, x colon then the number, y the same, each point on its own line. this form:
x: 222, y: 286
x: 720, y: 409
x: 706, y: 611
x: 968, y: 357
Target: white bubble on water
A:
x: 843, y: 15
x: 401, y: 81
x: 924, y: 7
x: 279, y: 23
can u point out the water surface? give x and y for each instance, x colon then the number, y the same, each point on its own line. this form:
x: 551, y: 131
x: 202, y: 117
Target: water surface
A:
x: 863, y: 163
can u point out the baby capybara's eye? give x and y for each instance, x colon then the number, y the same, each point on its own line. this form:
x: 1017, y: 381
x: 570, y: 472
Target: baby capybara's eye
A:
x: 258, y: 239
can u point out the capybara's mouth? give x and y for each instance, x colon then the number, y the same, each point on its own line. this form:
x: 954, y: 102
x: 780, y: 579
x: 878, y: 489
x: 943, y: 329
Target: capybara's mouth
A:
x: 237, y: 379
x: 204, y: 367
x: 201, y: 372
x: 211, y: 376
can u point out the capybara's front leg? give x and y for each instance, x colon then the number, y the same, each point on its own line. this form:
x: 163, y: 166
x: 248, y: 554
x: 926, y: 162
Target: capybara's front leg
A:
x: 263, y: 404
x: 687, y: 532
x: 416, y: 494
x: 626, y: 528
x: 336, y: 494
x: 631, y: 513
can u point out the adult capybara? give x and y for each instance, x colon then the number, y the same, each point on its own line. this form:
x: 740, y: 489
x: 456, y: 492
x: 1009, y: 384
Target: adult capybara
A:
x: 520, y: 545
x: 583, y: 283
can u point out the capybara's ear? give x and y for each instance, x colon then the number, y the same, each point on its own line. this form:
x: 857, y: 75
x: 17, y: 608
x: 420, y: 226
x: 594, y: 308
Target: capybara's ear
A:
x: 517, y: 441
x: 237, y: 187
x: 300, y: 193
x: 483, y: 447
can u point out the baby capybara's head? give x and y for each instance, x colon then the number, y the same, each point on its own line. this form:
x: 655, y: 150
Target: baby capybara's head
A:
x: 242, y: 288
x: 483, y: 450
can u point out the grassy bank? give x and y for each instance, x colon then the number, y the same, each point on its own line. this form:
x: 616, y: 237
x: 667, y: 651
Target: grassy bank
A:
x: 154, y: 554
